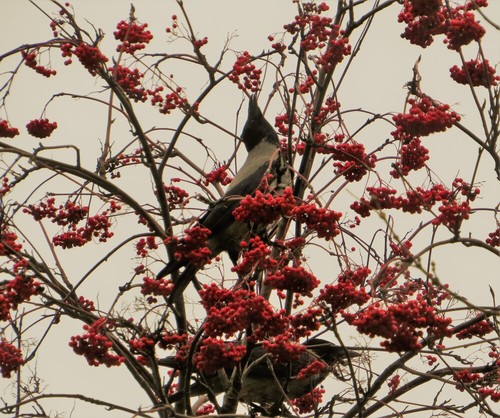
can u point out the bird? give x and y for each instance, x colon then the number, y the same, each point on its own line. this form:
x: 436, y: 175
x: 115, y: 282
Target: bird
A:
x: 263, y: 383
x: 226, y: 234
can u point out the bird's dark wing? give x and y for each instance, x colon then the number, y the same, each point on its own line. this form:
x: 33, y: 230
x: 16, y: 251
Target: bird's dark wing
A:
x: 221, y: 214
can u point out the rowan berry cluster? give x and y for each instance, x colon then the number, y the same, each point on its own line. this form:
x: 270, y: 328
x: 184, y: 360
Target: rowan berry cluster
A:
x: 144, y: 245
x: 20, y: 289
x: 321, y: 220
x: 426, y: 19
x: 402, y: 324
x: 348, y: 291
x: 476, y: 73
x: 295, y: 279
x: 31, y: 62
x: 41, y: 128
x: 231, y: 311
x: 256, y: 255
x: 130, y: 82
x: 69, y: 216
x: 412, y: 156
x: 86, y: 304
x: 133, y: 36
x: 424, y: 118
x: 95, y: 346
x: 156, y: 287
x: 144, y: 347
x: 16, y: 291
x: 321, y: 34
x: 11, y: 358
x: 171, y: 101
x: 192, y: 246
x: 309, y: 402
x: 8, y: 242
x: 215, y: 354
x: 7, y: 131
x: 89, y: 56
x: 251, y: 74
x: 282, y: 123
x: 283, y: 350
x: 176, y: 196
x: 205, y: 409
x: 494, y: 238
x: 351, y: 160
x: 394, y: 383
x: 465, y: 377
x: 218, y: 175
x: 479, y: 329
x: 264, y: 209
x: 304, y: 323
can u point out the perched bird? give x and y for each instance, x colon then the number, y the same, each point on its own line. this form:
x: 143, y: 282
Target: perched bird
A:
x: 264, y: 157
x: 265, y: 384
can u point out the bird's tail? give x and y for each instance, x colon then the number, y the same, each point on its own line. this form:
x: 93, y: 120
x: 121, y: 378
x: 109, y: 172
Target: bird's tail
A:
x: 182, y: 282
x: 170, y: 268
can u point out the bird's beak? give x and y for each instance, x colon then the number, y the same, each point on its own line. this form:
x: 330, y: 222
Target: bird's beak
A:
x: 253, y: 108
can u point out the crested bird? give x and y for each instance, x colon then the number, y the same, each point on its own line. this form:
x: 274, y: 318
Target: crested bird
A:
x: 264, y: 157
x: 265, y: 382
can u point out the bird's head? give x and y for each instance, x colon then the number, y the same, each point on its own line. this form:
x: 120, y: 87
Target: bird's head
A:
x: 328, y: 352
x: 257, y: 128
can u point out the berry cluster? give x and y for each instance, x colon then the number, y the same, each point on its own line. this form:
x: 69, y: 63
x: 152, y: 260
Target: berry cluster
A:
x: 419, y: 199
x: 69, y: 216
x: 156, y: 287
x: 11, y: 358
x: 133, y: 36
x: 295, y: 279
x: 232, y: 311
x: 476, y: 73
x: 20, y: 289
x: 16, y: 291
x: 95, y: 346
x: 217, y: 354
x: 143, y: 246
x: 465, y: 377
x: 86, y: 304
x: 412, y: 156
x: 283, y: 350
x: 144, y: 346
x: 394, y: 383
x: 264, y: 209
x: 426, y: 19
x: 251, y: 75
x: 309, y: 402
x: 41, y: 128
x: 282, y: 123
x: 304, y: 323
x: 351, y: 161
x: 256, y: 255
x: 30, y: 61
x: 321, y: 34
x: 479, y: 329
x: 494, y: 238
x: 401, y: 325
x: 314, y: 368
x: 321, y: 220
x: 192, y: 246
x: 176, y: 196
x: 130, y: 82
x: 218, y: 175
x: 8, y: 243
x: 348, y: 291
x: 90, y: 57
x: 424, y: 118
x: 7, y: 131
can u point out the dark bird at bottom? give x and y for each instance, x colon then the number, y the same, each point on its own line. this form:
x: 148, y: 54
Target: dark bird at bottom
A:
x: 265, y: 384
x: 264, y: 157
